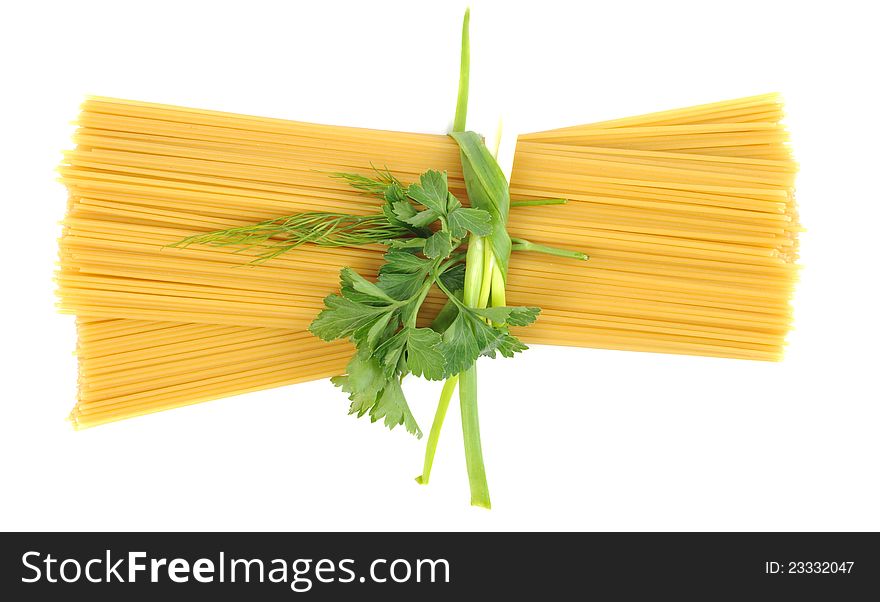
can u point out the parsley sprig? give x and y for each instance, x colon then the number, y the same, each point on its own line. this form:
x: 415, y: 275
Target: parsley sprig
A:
x: 382, y: 318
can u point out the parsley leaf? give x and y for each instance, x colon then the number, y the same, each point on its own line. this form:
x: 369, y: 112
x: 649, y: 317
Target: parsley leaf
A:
x: 468, y: 337
x: 431, y: 191
x: 368, y: 338
x: 403, y: 210
x: 423, y: 355
x: 453, y: 278
x: 459, y: 346
x: 438, y: 245
x: 371, y: 393
x: 512, y: 316
x: 395, y: 193
x: 390, y: 353
x: 422, y: 219
x: 343, y: 317
x: 403, y: 274
x: 416, y: 350
x: 508, y: 346
x: 364, y: 381
x: 392, y: 406
x: 452, y: 203
x: 357, y: 288
x: 464, y: 220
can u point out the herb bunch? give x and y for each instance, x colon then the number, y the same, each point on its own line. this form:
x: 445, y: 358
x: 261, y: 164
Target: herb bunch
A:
x: 382, y: 318
x: 433, y: 241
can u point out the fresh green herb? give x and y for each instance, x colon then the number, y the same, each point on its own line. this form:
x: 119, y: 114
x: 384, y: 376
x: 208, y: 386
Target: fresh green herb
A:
x: 433, y: 241
x: 464, y: 74
x: 284, y: 234
x: 382, y: 318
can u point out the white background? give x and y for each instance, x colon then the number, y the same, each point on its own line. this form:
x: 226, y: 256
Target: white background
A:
x: 575, y: 439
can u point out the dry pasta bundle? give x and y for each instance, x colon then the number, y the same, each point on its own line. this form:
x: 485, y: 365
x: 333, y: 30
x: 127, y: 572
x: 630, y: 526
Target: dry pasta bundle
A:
x: 688, y: 217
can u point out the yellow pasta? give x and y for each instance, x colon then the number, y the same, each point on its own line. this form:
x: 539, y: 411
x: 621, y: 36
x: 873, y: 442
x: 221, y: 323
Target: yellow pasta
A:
x: 688, y: 216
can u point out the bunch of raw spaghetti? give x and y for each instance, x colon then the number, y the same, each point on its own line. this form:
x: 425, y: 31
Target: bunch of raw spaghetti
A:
x: 688, y: 217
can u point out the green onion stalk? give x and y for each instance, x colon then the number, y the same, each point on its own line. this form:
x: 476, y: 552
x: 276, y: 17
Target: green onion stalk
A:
x: 485, y: 274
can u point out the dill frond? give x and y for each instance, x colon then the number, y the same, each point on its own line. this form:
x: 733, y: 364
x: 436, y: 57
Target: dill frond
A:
x: 375, y: 186
x: 280, y: 235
